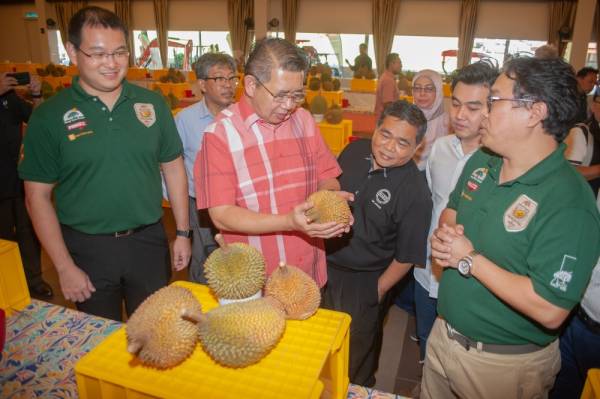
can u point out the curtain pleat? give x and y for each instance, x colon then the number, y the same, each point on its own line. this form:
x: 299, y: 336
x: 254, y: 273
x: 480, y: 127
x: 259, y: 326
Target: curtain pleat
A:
x: 64, y: 12
x: 561, y: 15
x: 384, y: 20
x: 123, y: 11
x: 466, y: 32
x: 290, y: 19
x: 238, y: 12
x: 161, y: 18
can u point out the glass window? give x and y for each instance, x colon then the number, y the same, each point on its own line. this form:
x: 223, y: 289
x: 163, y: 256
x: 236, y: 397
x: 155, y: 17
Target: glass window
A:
x: 349, y: 46
x: 58, y: 53
x: 426, y: 52
x: 146, y: 52
x: 502, y: 49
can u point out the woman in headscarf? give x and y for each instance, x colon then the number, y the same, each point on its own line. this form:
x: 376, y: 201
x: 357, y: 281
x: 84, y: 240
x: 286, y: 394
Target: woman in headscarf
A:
x: 428, y: 95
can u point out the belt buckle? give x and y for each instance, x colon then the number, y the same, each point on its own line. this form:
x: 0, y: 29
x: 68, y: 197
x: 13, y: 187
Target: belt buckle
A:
x: 123, y: 233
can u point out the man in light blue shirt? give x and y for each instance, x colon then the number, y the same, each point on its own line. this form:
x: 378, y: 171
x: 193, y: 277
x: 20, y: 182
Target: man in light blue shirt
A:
x: 217, y: 80
x: 449, y: 154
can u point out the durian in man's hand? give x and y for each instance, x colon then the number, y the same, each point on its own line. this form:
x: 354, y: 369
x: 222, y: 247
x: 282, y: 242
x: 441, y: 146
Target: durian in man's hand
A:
x: 328, y: 207
x: 163, y: 330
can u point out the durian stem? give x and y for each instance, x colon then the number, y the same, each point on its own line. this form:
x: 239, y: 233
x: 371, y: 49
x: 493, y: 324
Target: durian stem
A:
x: 134, y: 347
x: 283, y: 267
x: 221, y: 241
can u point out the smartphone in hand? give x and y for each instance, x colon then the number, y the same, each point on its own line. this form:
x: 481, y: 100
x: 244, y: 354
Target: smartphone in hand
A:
x: 22, y: 78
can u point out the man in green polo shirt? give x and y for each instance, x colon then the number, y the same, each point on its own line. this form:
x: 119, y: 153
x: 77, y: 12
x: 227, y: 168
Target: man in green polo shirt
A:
x: 518, y: 240
x: 100, y: 145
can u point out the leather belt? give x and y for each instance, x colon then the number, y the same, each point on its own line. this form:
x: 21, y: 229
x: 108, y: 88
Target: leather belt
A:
x: 590, y: 323
x: 468, y: 343
x: 122, y: 233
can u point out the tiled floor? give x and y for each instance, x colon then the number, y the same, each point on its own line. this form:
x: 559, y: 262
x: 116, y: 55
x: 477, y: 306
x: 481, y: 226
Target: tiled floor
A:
x: 399, y: 370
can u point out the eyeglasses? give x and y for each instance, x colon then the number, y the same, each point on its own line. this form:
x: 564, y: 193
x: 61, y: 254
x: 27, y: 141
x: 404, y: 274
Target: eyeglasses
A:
x: 220, y: 80
x: 423, y: 89
x: 280, y: 98
x: 492, y: 99
x: 119, y: 55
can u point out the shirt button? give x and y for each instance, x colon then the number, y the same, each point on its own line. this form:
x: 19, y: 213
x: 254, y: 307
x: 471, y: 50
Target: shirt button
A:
x: 95, y: 99
x: 110, y: 119
x: 103, y: 108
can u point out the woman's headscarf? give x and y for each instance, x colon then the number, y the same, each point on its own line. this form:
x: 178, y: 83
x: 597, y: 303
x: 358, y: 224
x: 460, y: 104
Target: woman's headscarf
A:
x: 437, y: 119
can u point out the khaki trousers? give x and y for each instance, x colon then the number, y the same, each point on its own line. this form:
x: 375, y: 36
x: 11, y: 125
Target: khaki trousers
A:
x: 451, y: 371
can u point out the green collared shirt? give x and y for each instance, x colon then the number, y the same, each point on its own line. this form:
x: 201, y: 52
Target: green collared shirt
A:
x: 106, y: 164
x: 543, y: 225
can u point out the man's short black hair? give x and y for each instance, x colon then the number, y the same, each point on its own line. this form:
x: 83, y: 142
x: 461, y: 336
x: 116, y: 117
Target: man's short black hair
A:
x: 551, y: 81
x: 391, y: 57
x: 585, y: 71
x: 482, y: 73
x: 274, y: 53
x: 408, y: 112
x: 93, y: 17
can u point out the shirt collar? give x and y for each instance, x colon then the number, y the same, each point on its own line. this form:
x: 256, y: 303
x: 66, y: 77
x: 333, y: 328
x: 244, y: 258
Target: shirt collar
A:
x: 79, y: 94
x: 385, y: 171
x: 203, y: 111
x: 535, y: 175
x: 247, y: 112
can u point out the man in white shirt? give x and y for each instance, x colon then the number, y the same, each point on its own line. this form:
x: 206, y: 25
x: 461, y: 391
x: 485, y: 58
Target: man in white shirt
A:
x: 449, y: 154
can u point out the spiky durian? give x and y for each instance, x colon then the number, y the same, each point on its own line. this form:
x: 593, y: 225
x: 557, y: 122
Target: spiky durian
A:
x: 296, y: 290
x: 328, y: 207
x: 162, y: 331
x: 235, y: 271
x: 242, y: 333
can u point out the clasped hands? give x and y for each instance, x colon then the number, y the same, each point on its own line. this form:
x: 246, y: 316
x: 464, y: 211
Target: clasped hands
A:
x: 300, y: 222
x: 449, y: 244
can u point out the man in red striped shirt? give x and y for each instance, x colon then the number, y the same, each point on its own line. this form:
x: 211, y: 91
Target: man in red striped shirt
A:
x: 261, y: 159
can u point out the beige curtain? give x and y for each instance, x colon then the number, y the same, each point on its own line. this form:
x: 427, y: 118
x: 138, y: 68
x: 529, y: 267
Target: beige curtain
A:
x: 466, y: 31
x: 123, y: 11
x: 161, y: 18
x: 562, y: 14
x: 290, y: 19
x: 64, y: 11
x: 597, y: 27
x: 238, y: 11
x: 385, y: 18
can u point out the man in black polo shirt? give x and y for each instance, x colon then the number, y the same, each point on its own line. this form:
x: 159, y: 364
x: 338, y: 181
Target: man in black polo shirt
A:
x: 392, y: 212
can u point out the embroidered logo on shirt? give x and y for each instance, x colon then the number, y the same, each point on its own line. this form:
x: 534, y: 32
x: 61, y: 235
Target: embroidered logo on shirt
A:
x: 145, y: 113
x: 382, y: 197
x: 77, y: 125
x: 563, y: 276
x: 479, y: 175
x: 72, y: 115
x: 75, y: 136
x: 519, y: 214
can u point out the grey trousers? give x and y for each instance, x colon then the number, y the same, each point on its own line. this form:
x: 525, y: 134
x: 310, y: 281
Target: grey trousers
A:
x: 203, y: 241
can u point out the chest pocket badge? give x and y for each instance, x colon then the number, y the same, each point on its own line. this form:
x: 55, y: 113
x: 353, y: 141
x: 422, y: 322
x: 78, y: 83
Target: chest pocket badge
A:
x: 519, y: 214
x: 145, y: 113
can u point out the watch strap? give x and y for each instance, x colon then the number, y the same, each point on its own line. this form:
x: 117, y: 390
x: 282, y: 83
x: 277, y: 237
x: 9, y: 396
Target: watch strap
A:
x: 184, y: 233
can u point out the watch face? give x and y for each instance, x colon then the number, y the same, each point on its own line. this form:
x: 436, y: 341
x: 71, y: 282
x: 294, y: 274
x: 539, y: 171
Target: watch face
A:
x: 463, y: 267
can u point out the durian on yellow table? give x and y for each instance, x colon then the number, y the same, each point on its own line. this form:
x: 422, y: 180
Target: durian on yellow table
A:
x: 310, y: 361
x: 332, y: 97
x: 178, y: 89
x: 336, y: 136
x: 14, y: 294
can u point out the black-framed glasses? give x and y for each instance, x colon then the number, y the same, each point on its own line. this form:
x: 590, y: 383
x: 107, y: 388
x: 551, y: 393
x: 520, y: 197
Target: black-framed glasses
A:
x: 119, y: 55
x: 297, y: 97
x: 492, y: 99
x: 221, y: 80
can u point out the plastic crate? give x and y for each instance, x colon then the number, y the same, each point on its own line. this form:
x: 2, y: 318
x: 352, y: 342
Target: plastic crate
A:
x: 591, y: 389
x: 332, y: 97
x: 363, y: 85
x: 310, y: 361
x: 14, y: 294
x: 336, y: 136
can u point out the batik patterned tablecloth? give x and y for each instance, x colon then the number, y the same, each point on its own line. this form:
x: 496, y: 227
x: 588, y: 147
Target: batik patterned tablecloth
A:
x: 43, y: 343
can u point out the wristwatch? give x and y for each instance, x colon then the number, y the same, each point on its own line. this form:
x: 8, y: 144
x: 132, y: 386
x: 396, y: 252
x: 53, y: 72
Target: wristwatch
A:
x: 465, y: 265
x: 184, y: 233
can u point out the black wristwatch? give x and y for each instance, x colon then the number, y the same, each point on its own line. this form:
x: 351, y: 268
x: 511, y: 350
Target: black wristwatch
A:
x: 184, y: 233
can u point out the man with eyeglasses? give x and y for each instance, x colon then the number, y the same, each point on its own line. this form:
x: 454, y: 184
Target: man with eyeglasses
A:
x: 518, y: 241
x: 262, y: 158
x: 98, y: 148
x: 217, y: 80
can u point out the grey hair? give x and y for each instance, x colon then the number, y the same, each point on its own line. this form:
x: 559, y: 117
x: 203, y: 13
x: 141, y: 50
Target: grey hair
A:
x: 274, y: 53
x: 209, y: 60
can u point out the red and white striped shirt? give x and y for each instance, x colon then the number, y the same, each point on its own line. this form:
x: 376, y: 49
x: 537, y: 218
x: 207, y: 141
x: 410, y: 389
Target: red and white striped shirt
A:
x: 247, y: 162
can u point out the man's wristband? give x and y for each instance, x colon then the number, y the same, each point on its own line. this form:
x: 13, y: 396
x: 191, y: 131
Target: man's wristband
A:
x: 184, y: 233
